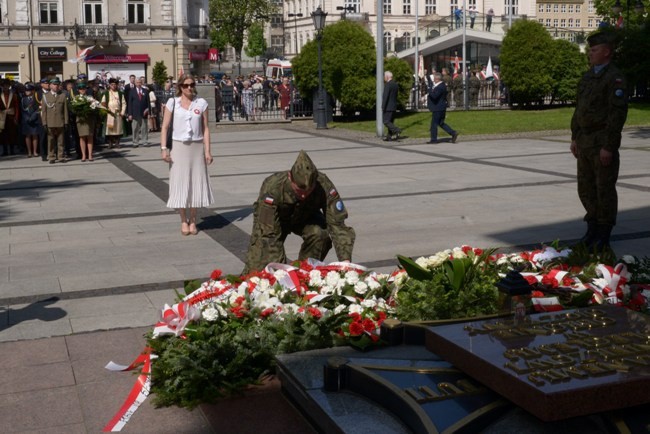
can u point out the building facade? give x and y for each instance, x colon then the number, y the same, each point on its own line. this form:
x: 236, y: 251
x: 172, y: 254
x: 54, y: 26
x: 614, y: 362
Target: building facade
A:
x: 43, y: 38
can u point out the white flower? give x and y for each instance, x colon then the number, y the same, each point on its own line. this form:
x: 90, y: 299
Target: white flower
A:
x: 373, y: 284
x: 458, y: 253
x: 400, y: 278
x: 629, y: 259
x: 340, y: 308
x: 327, y: 290
x: 422, y: 262
x: 290, y: 307
x: 264, y: 285
x: 351, y: 277
x: 369, y: 303
x: 279, y: 274
x: 210, y: 314
x: 503, y: 260
x: 360, y: 288
x: 333, y: 279
x: 355, y: 308
x: 315, y: 278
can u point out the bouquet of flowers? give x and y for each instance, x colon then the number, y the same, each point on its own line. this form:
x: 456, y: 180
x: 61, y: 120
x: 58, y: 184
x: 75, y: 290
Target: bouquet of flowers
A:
x: 84, y: 106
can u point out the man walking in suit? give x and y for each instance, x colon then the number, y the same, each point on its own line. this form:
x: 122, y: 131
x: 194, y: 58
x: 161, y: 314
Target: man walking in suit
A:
x: 54, y: 112
x: 437, y: 104
x: 138, y: 110
x: 389, y: 106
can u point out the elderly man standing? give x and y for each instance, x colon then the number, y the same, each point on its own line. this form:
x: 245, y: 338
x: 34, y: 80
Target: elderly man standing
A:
x: 389, y: 106
x: 138, y: 106
x: 601, y: 111
x: 302, y: 201
x: 54, y: 112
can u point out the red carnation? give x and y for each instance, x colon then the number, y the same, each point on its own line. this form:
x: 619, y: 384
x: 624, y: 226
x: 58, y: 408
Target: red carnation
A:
x: 216, y: 274
x: 532, y: 280
x: 369, y: 325
x: 537, y: 294
x: 313, y: 311
x: 356, y: 328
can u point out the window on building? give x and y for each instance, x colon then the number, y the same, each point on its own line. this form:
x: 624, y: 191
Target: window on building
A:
x: 548, y: 22
x: 135, y: 12
x: 556, y: 8
x: 540, y: 7
x: 597, y: 22
x: 541, y: 21
x: 406, y: 7
x: 453, y: 5
x: 577, y: 22
x: 563, y: 8
x: 356, y: 4
x: 590, y: 6
x: 49, y: 12
x: 563, y: 22
x: 471, y: 3
x: 276, y: 40
x: 570, y: 22
x: 548, y: 7
x: 388, y: 7
x: 388, y: 42
x: 429, y: 7
x: 590, y: 22
x: 555, y: 22
x: 570, y: 9
x: 276, y: 21
x: 577, y: 9
x: 514, y: 4
x: 92, y: 11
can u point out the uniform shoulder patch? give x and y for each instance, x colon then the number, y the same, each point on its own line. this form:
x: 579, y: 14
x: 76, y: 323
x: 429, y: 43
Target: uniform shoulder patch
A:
x: 333, y: 192
x: 268, y: 200
x: 340, y: 206
x: 619, y: 93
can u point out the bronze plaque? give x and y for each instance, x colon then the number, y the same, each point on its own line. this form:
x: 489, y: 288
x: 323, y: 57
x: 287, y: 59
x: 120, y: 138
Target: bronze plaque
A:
x: 555, y: 365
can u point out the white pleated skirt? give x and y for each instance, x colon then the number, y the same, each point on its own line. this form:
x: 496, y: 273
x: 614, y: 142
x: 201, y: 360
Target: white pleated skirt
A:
x: 189, y: 183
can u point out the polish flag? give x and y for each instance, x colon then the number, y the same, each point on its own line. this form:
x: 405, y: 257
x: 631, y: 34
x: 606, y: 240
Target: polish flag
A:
x: 81, y: 55
x: 546, y: 304
x: 456, y: 66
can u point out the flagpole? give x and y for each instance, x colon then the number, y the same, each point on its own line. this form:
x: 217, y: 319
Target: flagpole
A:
x: 465, y: 96
x: 416, y: 83
x: 380, y: 68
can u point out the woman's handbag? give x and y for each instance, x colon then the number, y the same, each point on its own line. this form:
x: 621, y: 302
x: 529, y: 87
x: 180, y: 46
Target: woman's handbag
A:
x: 170, y: 128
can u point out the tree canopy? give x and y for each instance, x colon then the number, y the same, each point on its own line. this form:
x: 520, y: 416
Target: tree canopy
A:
x: 569, y: 64
x: 348, y: 68
x: 256, y: 43
x: 159, y: 73
x: 232, y: 19
x: 526, y: 61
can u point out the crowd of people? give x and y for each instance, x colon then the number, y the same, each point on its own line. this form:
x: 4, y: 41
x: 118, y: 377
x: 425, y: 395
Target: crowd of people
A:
x: 46, y: 120
x: 250, y: 96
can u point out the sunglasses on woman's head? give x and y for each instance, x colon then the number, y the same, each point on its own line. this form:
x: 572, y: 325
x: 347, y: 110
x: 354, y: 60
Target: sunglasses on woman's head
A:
x: 186, y: 85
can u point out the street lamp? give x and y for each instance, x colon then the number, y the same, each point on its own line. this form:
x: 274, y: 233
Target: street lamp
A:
x: 319, y: 24
x: 618, y: 8
x: 295, y: 28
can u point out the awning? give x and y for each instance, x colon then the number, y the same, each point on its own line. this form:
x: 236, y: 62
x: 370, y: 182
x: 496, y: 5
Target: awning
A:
x: 119, y: 58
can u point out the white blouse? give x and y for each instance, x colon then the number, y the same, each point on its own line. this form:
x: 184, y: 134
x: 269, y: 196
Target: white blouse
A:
x: 188, y: 126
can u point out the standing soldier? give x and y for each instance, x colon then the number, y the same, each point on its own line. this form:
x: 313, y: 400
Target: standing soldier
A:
x: 474, y: 88
x: 302, y: 201
x: 459, y: 92
x: 55, y: 120
x: 601, y: 110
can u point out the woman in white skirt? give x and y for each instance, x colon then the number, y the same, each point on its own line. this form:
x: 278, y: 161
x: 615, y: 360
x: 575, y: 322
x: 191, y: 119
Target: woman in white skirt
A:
x: 189, y: 157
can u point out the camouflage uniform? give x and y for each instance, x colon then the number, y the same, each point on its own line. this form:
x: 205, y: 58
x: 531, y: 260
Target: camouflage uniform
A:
x: 601, y: 110
x: 459, y: 92
x: 474, y: 89
x: 319, y: 218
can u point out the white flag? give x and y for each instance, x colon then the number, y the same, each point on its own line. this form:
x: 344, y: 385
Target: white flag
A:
x: 488, y: 71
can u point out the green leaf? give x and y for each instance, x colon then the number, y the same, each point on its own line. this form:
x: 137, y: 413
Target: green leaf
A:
x: 191, y: 286
x: 413, y: 270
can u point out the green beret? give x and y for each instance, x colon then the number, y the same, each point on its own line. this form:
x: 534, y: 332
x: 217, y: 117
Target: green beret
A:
x: 304, y: 171
x: 601, y: 37
x: 82, y: 85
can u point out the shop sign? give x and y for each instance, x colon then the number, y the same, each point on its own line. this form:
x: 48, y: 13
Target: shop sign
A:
x: 52, y: 53
x: 119, y: 58
x: 198, y: 55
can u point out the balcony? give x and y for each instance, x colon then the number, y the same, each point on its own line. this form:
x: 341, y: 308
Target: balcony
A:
x: 94, y: 33
x: 197, y: 32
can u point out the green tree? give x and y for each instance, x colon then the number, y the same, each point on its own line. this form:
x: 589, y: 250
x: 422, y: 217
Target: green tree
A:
x: 631, y: 18
x: 159, y: 73
x: 348, y: 68
x: 233, y: 18
x: 632, y: 57
x: 256, y: 45
x: 526, y: 60
x: 569, y: 64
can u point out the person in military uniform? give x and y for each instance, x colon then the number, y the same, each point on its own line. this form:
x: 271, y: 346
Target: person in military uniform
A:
x: 474, y: 88
x: 596, y: 125
x: 302, y: 201
x: 459, y: 92
x: 54, y: 113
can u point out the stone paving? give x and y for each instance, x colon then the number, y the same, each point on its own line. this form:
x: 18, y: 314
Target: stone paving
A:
x: 89, y: 253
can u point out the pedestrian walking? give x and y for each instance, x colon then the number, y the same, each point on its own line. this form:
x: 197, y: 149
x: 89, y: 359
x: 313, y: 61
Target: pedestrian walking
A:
x: 389, y: 106
x: 437, y: 105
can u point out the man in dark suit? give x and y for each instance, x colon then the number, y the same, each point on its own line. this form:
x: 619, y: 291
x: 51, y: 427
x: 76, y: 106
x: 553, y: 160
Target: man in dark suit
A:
x: 389, y: 106
x: 437, y: 104
x: 138, y: 110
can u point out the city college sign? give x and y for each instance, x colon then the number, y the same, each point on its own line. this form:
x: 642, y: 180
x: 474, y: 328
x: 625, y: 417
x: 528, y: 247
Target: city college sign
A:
x: 52, y: 53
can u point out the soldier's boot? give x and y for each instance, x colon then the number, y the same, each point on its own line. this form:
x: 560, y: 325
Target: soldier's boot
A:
x: 601, y: 242
x: 589, y: 237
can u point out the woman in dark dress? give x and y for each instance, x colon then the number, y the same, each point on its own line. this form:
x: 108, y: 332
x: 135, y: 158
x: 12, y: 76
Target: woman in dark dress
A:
x: 30, y: 120
x: 86, y: 125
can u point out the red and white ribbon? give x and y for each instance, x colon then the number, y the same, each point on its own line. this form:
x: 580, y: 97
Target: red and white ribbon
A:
x: 138, y: 393
x: 546, y: 304
x: 291, y: 280
x: 615, y: 288
x: 175, y: 318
